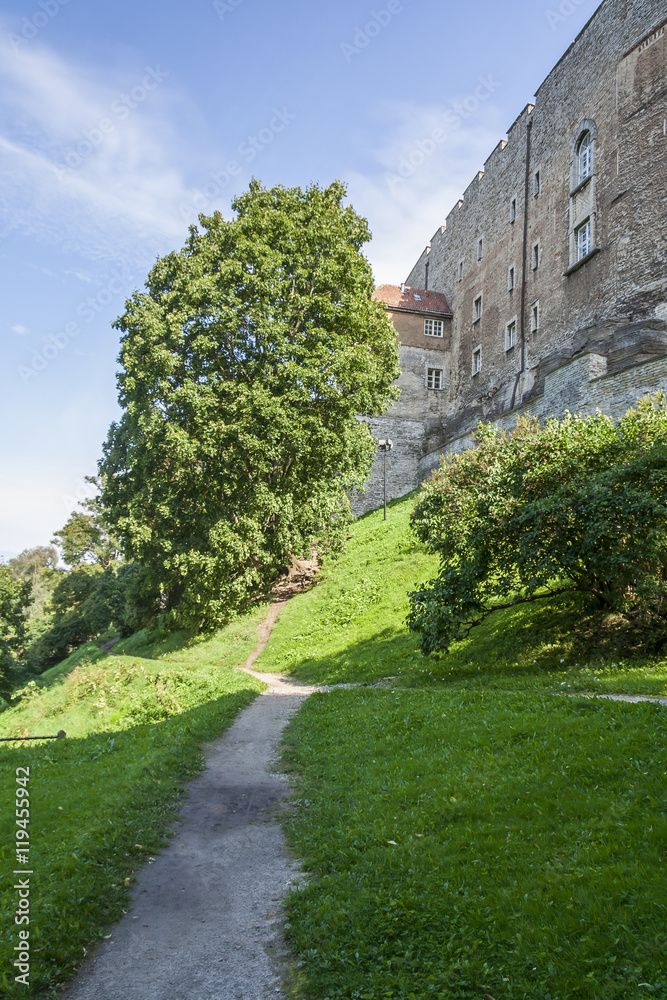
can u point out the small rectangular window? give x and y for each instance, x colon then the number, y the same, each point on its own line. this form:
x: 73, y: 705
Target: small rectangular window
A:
x: 510, y: 335
x: 535, y: 317
x: 536, y: 256
x: 433, y: 327
x: 511, y: 279
x: 477, y: 361
x: 513, y: 210
x: 537, y: 183
x: 460, y: 270
x: 477, y: 309
x: 584, y: 244
x: 480, y: 249
x: 435, y: 378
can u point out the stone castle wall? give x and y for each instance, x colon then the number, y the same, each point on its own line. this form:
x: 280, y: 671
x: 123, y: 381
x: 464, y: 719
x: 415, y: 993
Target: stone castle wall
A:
x: 405, y: 425
x: 589, y: 334
x: 583, y: 386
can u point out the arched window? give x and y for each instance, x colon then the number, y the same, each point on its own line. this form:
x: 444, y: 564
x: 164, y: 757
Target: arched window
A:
x: 585, y: 156
x: 584, y: 222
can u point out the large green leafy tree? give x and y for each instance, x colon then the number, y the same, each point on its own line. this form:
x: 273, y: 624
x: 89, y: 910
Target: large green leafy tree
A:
x: 244, y: 368
x: 15, y: 598
x: 577, y: 505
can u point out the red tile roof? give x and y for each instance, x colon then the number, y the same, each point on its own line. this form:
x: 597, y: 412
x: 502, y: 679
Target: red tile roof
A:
x: 412, y: 300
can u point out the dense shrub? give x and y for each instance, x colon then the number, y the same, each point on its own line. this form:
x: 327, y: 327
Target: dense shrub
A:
x: 15, y: 597
x: 579, y: 505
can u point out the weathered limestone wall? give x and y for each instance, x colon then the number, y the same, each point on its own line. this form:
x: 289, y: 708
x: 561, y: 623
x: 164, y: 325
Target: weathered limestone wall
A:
x: 405, y: 425
x: 582, y: 386
x: 612, y: 81
x: 589, y: 334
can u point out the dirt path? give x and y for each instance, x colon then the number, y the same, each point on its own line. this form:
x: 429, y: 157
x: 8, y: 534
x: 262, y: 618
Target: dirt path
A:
x: 634, y: 698
x: 205, y: 918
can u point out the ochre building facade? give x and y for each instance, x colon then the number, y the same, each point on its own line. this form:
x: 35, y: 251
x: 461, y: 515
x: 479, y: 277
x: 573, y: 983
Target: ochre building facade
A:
x: 553, y: 265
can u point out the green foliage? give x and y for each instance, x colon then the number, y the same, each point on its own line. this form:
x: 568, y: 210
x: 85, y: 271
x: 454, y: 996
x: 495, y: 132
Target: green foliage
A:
x: 67, y: 625
x: 104, y: 799
x: 244, y: 367
x: 85, y: 539
x: 470, y: 842
x: 581, y: 501
x: 85, y: 604
x: 31, y: 563
x: 559, y: 643
x: 72, y: 607
x: 15, y: 598
x: 39, y: 566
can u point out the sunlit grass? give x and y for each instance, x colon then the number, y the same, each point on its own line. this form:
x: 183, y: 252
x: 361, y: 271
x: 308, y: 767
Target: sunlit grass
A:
x: 468, y: 830
x: 103, y: 799
x: 351, y: 628
x: 471, y: 842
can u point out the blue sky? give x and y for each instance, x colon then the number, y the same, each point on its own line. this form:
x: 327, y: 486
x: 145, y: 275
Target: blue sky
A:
x: 120, y: 121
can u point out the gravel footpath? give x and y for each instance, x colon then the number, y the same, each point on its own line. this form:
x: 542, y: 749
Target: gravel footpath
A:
x: 205, y: 922
x: 205, y: 919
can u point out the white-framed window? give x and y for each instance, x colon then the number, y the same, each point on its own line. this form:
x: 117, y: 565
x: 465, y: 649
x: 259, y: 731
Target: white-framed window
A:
x: 476, y: 361
x: 433, y: 327
x: 480, y: 248
x: 537, y: 183
x: 510, y: 334
x: 460, y: 270
x: 511, y: 279
x: 583, y: 235
x: 513, y: 210
x: 535, y: 317
x: 585, y: 156
x: 477, y: 309
x: 435, y: 378
x: 582, y: 229
x: 536, y: 257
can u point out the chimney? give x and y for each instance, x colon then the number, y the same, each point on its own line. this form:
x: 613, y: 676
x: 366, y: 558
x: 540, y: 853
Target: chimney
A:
x: 402, y: 287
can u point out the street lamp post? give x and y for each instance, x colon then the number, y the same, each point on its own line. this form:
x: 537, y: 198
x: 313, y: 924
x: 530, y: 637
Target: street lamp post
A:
x: 386, y: 446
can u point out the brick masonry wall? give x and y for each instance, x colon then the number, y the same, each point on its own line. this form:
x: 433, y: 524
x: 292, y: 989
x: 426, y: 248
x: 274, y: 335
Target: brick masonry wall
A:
x: 601, y: 337
x: 615, y: 304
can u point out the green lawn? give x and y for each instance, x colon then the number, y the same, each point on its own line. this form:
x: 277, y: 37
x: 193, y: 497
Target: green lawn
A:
x: 471, y: 842
x: 351, y: 626
x: 468, y: 829
x: 104, y: 799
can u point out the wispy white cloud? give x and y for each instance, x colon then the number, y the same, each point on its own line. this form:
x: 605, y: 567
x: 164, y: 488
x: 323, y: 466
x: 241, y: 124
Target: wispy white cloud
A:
x: 417, y: 179
x: 21, y: 330
x: 111, y: 186
x: 98, y: 168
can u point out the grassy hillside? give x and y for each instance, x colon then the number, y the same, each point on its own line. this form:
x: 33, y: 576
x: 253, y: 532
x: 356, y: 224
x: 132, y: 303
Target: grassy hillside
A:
x: 351, y: 628
x: 471, y: 842
x: 470, y: 830
x: 102, y: 800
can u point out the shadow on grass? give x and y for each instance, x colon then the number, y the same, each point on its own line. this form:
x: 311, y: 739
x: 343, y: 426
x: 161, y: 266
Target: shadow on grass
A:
x: 100, y: 806
x: 537, y: 641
